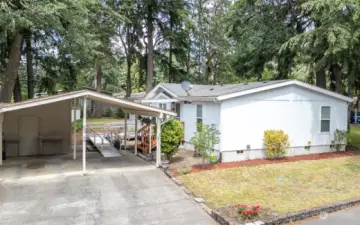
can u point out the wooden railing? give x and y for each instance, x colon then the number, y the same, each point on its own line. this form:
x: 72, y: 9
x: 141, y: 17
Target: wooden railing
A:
x: 146, y: 138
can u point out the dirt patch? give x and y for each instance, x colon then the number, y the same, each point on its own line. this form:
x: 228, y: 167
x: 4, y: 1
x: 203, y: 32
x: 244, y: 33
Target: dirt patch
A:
x: 256, y: 162
x: 184, y: 159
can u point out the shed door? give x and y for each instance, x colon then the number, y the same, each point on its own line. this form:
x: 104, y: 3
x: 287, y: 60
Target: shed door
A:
x: 29, y: 131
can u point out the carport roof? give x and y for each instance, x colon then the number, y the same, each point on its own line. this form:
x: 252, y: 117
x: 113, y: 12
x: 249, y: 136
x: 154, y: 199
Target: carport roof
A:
x: 126, y: 105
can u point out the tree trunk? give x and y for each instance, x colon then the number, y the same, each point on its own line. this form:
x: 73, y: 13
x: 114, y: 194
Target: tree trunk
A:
x: 142, y: 68
x: 129, y: 54
x: 350, y: 94
x: 321, y: 78
x: 17, y: 90
x: 336, y: 71
x: 12, y: 68
x: 128, y: 75
x: 170, y: 63
x: 188, y: 60
x: 150, y: 45
x: 29, y: 66
x: 351, y: 81
x: 98, y: 88
x: 170, y: 75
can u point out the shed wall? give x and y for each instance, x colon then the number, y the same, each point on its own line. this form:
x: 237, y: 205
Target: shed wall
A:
x: 55, y: 120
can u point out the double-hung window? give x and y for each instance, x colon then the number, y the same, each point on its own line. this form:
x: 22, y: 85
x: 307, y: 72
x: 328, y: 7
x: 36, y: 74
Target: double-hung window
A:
x: 325, y: 119
x: 199, y: 116
x: 163, y: 106
x: 177, y: 110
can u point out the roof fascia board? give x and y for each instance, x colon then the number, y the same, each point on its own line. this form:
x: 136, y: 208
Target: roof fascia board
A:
x: 89, y: 94
x: 43, y: 102
x: 283, y: 84
x: 159, y: 100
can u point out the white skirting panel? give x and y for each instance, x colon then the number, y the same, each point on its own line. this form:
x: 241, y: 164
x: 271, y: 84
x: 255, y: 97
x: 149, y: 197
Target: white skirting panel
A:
x: 232, y: 156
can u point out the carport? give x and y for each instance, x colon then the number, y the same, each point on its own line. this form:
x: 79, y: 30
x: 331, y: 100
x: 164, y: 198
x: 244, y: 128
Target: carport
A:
x: 47, y: 121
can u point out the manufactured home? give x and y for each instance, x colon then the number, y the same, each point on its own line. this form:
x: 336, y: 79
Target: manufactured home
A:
x: 242, y: 112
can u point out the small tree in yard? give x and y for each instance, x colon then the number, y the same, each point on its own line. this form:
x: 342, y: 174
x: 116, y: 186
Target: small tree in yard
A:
x: 205, y: 140
x: 340, y: 139
x: 171, y: 135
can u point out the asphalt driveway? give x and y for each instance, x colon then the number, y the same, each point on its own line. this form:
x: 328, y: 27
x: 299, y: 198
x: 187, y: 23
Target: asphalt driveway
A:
x: 135, y: 197
x: 349, y: 217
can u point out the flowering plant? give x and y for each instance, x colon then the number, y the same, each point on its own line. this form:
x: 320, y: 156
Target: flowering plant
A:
x: 308, y: 145
x: 247, y: 212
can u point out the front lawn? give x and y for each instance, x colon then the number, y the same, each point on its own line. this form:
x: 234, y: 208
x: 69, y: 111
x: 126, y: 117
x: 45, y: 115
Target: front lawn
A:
x: 284, y: 187
x: 354, y: 136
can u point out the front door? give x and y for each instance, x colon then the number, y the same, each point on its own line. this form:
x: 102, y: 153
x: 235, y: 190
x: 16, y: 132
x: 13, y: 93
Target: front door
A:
x: 29, y: 131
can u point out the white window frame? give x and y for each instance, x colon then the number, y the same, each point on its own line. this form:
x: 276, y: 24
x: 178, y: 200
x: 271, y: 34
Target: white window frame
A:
x: 164, y: 107
x: 177, y: 113
x: 202, y: 115
x: 161, y: 106
x: 325, y: 119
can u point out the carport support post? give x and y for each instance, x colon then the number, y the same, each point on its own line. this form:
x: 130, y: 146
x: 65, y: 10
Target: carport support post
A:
x: 158, y: 142
x: 150, y: 137
x: 74, y: 124
x: 1, y: 137
x: 84, y: 137
x: 136, y: 134
x: 125, y: 130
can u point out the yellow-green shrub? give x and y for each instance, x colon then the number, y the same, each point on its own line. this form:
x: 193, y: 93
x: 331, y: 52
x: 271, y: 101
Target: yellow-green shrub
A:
x: 275, y: 142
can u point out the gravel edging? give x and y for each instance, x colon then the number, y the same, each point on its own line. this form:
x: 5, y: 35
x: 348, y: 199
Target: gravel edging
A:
x: 282, y: 219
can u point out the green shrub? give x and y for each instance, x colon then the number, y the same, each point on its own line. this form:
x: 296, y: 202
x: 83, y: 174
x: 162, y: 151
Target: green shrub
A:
x: 108, y: 112
x: 205, y: 140
x: 120, y: 113
x: 171, y: 135
x: 183, y: 171
x: 340, y: 139
x: 275, y: 142
x: 213, y: 158
x: 78, y: 124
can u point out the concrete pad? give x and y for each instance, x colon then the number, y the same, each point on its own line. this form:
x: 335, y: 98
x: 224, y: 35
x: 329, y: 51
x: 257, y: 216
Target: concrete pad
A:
x: 128, y: 197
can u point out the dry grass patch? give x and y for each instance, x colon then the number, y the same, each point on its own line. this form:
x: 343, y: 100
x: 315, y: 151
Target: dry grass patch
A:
x: 285, y: 187
x: 103, y: 120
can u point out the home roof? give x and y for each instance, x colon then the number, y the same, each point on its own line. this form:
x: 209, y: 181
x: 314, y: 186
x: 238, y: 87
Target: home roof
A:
x: 215, y: 90
x: 227, y: 91
x: 136, y: 96
x: 128, y: 106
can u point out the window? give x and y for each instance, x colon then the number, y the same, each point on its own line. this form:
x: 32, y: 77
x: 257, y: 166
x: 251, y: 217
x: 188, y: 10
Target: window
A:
x: 325, y: 119
x: 163, y: 106
x: 177, y: 110
x: 199, y: 115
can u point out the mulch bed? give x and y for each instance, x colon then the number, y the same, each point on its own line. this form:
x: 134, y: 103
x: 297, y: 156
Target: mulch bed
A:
x: 231, y: 214
x: 256, y: 162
